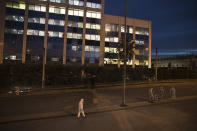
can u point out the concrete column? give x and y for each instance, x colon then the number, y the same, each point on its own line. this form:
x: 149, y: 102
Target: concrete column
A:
x: 46, y: 33
x: 65, y: 34
x: 102, y: 36
x: 25, y: 33
x: 119, y: 38
x: 133, y: 59
x: 2, y: 27
x: 149, y: 47
x: 83, y: 35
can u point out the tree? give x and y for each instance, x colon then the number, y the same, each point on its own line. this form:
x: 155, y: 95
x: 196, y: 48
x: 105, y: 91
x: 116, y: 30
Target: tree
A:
x: 130, y: 45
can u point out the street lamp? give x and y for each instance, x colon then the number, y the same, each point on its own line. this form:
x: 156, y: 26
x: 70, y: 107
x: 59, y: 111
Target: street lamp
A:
x: 124, y: 68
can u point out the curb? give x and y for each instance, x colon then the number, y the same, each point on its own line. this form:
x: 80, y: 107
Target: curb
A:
x: 5, y: 120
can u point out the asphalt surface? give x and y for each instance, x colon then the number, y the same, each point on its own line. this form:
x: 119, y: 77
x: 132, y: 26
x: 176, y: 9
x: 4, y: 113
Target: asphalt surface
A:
x: 23, y: 105
x: 180, y: 116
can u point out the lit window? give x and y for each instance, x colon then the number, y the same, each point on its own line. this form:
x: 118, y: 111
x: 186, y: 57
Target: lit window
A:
x: 43, y: 8
x: 86, y: 48
x: 74, y: 48
x: 107, y: 39
x: 30, y: 20
x: 42, y: 21
x: 14, y: 31
x: 57, y: 10
x: 15, y: 5
x: 56, y: 22
x: 51, y: 9
x: 98, y: 27
x: 76, y: 2
x: 80, y: 13
x: 88, y: 25
x: 62, y: 22
x: 80, y: 25
x: 122, y: 29
x: 93, y: 15
x: 29, y: 32
x: 62, y: 11
x: 93, y: 5
x: 69, y: 35
x: 74, y: 36
x: 98, y: 37
x: 79, y: 36
x: 52, y: 0
x: 9, y: 4
x: 41, y: 33
x: 31, y: 7
x: 20, y: 31
x: 70, y: 12
x: 35, y: 32
x: 76, y: 12
x: 71, y: 2
x: 55, y: 34
x: 115, y: 39
x: 87, y: 37
x: 98, y: 6
x: 98, y: 15
x: 12, y: 57
x: 22, y: 6
x: 88, y: 14
x: 37, y: 8
x: 107, y: 27
x: 106, y: 49
x: 51, y: 21
x: 93, y: 37
x: 36, y: 20
x: 61, y: 34
x: 58, y: 1
x: 88, y: 4
x: 21, y: 18
x: 50, y: 33
x: 111, y: 39
x: 81, y: 3
x: 63, y: 1
x: 131, y: 30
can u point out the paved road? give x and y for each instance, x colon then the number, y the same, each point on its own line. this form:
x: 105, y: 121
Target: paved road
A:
x: 22, y: 105
x: 180, y: 116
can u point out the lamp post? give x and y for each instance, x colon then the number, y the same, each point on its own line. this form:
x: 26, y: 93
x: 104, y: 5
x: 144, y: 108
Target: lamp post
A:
x: 124, y: 68
x: 156, y: 64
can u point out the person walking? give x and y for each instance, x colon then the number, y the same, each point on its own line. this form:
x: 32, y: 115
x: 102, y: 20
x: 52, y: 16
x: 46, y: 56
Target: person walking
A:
x: 150, y: 94
x: 80, y: 108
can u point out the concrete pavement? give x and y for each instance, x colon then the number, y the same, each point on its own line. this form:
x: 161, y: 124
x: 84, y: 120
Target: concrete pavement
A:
x: 63, y: 102
x: 11, y: 119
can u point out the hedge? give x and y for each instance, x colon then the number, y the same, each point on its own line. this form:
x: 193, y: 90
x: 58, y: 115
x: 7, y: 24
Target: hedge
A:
x: 31, y: 74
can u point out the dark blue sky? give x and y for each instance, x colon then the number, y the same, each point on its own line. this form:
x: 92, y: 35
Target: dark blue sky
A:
x: 174, y: 22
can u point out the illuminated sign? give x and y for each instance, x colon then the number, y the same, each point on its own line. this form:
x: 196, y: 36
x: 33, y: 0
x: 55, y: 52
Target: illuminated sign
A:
x: 139, y: 42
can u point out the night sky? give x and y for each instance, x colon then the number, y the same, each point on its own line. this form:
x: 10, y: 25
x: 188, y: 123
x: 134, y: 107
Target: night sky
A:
x: 174, y: 22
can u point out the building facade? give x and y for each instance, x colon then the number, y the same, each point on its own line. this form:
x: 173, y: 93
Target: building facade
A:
x: 68, y: 32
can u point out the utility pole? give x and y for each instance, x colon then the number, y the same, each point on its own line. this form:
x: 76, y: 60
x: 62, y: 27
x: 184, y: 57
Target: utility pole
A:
x: 45, y: 45
x: 124, y: 68
x: 156, y: 64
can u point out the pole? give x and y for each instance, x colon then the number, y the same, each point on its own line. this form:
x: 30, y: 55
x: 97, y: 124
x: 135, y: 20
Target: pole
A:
x: 124, y: 69
x: 156, y: 64
x: 45, y: 45
x: 43, y: 69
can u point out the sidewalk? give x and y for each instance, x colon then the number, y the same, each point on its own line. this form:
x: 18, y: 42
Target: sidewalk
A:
x: 88, y: 111
x: 51, y: 103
